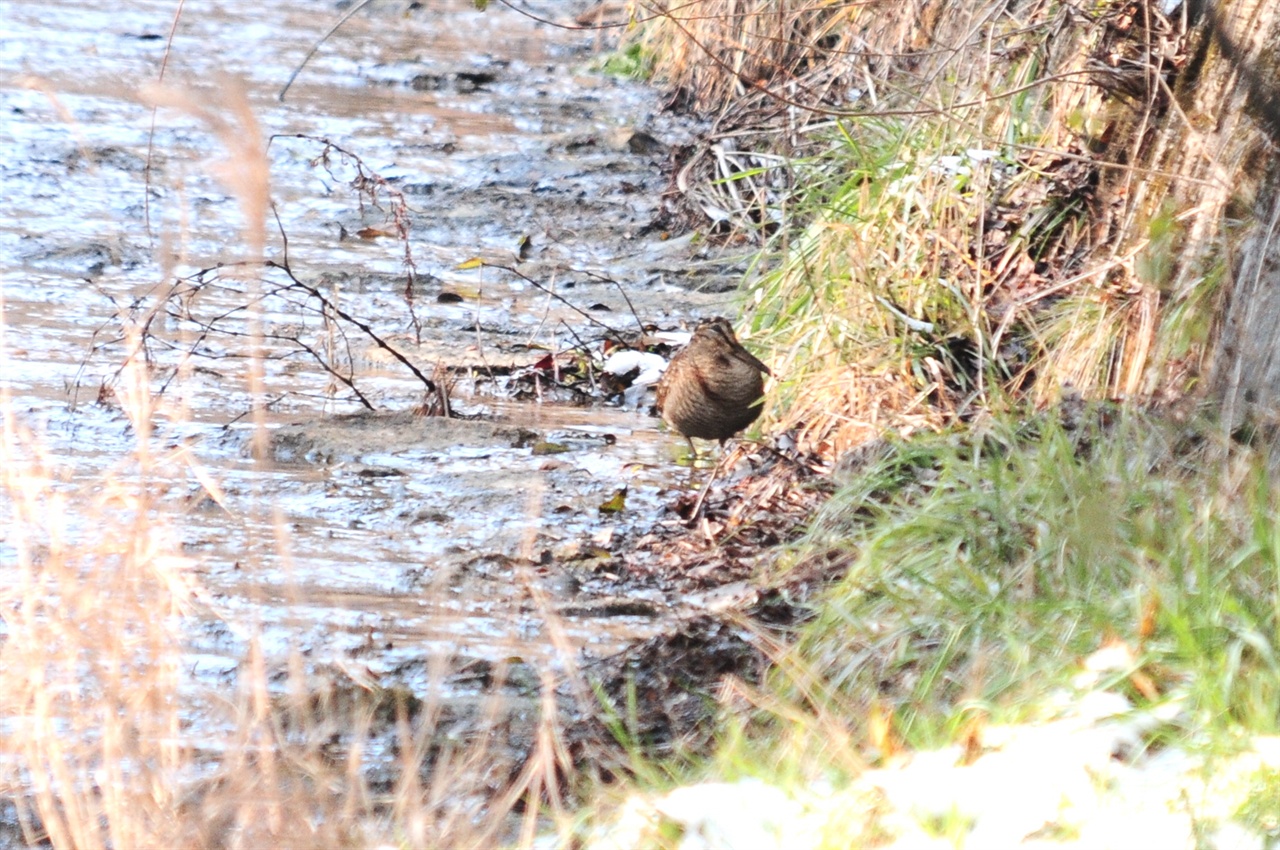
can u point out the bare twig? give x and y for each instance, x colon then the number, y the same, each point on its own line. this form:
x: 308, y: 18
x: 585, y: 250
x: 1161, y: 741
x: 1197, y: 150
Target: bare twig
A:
x: 368, y: 182
x: 312, y: 52
x: 623, y: 292
x: 363, y: 326
x: 613, y: 332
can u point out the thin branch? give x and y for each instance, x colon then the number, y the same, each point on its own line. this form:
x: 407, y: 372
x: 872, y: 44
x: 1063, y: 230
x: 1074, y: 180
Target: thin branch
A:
x: 617, y: 336
x: 623, y: 293
x: 324, y: 364
x: 312, y: 52
x: 347, y: 317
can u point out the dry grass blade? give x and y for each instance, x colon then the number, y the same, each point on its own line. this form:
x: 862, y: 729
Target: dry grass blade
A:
x: 975, y: 225
x: 92, y: 635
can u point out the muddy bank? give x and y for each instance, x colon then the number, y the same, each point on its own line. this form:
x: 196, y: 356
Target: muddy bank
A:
x: 375, y: 553
x: 461, y: 206
x: 468, y: 135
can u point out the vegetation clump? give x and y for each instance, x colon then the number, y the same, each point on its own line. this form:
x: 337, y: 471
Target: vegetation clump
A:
x: 981, y: 232
x: 1005, y: 269
x: 980, y: 200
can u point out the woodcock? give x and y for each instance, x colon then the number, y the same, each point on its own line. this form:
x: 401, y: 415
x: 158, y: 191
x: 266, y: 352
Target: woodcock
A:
x: 713, y: 386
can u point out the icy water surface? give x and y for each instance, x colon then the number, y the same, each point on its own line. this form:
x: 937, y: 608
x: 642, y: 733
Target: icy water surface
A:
x: 378, y: 536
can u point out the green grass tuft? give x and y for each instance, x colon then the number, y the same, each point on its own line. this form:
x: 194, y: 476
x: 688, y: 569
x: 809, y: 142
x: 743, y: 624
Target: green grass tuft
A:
x: 632, y: 62
x: 986, y: 566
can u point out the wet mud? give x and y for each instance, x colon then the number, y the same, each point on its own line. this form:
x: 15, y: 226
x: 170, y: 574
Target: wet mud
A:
x: 420, y: 140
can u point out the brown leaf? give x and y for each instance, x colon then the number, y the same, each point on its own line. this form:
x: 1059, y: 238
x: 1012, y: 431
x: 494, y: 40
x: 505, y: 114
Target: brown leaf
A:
x: 1147, y: 625
x: 1144, y: 685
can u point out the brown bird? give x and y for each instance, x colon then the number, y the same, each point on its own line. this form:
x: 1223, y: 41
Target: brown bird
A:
x: 712, y: 387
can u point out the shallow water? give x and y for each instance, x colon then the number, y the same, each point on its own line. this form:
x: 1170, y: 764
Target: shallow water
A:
x: 403, y: 534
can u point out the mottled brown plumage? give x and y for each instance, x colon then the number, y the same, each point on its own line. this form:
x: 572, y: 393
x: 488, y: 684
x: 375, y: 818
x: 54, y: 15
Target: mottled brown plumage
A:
x: 712, y: 387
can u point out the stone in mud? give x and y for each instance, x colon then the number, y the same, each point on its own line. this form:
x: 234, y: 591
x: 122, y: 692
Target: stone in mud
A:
x: 89, y: 257
x: 350, y: 436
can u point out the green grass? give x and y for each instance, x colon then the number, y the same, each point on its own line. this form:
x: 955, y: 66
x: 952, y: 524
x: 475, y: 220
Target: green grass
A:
x: 867, y: 257
x: 984, y: 566
x: 632, y: 62
x: 914, y: 237
x: 1261, y: 809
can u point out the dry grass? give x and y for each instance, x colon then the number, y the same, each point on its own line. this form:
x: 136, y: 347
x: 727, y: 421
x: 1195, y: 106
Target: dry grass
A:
x: 106, y: 738
x: 1082, y: 248
x: 89, y: 663
x: 108, y: 741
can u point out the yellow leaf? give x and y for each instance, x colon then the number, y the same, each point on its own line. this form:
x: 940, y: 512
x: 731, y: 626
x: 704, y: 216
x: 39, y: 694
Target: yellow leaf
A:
x: 543, y: 447
x: 880, y: 730
x: 617, y: 503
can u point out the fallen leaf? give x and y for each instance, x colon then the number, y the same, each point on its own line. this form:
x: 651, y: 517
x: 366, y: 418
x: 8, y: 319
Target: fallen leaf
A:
x: 547, y: 448
x: 880, y: 730
x: 1144, y: 685
x: 616, y: 504
x: 1147, y: 625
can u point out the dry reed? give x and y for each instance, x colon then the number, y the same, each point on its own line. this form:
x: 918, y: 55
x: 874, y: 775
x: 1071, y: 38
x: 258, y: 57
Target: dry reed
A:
x: 1080, y: 249
x: 107, y: 739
